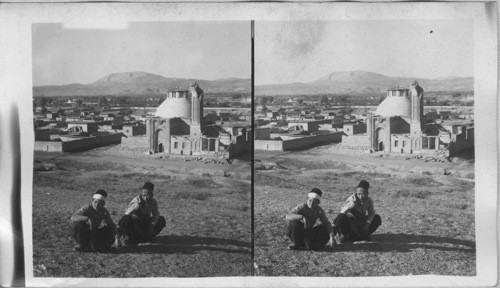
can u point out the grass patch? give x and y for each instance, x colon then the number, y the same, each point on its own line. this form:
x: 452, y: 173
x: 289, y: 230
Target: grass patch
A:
x: 193, y: 195
x: 137, y: 176
x: 420, y: 180
x: 417, y: 180
x: 198, y: 181
x: 243, y: 176
x: 413, y: 194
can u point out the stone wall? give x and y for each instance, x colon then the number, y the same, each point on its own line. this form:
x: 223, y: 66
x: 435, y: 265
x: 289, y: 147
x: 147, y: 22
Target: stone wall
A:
x: 48, y: 146
x: 311, y: 141
x: 79, y: 144
x: 139, y: 143
x: 268, y: 145
x: 91, y: 142
x: 297, y: 143
x: 356, y: 141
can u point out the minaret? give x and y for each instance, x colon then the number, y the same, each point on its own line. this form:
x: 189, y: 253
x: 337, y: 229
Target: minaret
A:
x: 196, y: 109
x: 417, y: 109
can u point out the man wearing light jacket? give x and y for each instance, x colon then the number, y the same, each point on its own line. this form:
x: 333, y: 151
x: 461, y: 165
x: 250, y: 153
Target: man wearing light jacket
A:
x: 357, y: 219
x: 308, y: 227
x: 142, y: 220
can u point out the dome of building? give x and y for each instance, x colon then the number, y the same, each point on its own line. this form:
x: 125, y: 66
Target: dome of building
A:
x: 394, y: 106
x: 174, y: 107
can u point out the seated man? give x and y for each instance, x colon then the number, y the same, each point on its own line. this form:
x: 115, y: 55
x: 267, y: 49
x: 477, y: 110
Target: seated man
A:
x: 142, y: 220
x: 357, y: 219
x: 87, y: 230
x: 303, y: 227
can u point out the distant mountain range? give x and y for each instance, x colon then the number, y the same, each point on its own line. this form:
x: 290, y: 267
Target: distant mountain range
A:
x: 359, y: 81
x: 142, y: 83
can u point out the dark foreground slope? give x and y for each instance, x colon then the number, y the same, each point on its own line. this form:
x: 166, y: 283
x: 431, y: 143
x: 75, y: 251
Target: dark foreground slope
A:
x: 208, y: 218
x: 427, y: 218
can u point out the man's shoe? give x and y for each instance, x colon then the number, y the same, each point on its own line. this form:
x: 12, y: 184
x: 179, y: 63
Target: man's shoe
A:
x: 297, y: 248
x: 83, y: 249
x: 339, y: 238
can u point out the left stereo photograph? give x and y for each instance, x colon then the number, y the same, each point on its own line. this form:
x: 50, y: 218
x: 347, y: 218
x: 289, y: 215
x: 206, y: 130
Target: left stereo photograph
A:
x: 142, y: 153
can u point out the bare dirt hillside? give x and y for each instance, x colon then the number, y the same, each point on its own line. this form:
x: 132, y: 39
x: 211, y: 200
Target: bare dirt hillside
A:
x: 427, y: 217
x: 208, y: 216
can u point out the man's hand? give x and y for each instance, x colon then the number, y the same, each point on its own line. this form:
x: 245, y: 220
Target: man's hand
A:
x: 331, y: 242
x: 92, y: 224
x: 117, y: 245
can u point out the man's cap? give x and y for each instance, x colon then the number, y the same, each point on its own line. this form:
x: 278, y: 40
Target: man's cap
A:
x: 149, y: 186
x: 101, y: 192
x: 363, y: 184
x: 317, y: 191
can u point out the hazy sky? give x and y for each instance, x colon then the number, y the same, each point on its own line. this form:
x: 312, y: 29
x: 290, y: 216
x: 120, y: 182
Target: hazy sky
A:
x: 201, y: 50
x: 305, y: 51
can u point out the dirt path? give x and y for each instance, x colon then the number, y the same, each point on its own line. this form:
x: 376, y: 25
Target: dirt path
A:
x: 355, y: 159
x: 151, y: 164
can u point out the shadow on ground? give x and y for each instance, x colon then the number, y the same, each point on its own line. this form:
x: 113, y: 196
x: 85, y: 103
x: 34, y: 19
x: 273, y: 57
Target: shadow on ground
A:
x: 189, y: 245
x: 408, y: 242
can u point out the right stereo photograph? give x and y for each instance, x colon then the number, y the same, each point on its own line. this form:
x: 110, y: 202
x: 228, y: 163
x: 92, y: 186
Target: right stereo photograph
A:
x: 364, y: 148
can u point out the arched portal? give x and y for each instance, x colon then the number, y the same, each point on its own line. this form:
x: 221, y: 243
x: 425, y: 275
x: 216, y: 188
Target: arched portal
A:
x: 161, y: 141
x: 380, y: 137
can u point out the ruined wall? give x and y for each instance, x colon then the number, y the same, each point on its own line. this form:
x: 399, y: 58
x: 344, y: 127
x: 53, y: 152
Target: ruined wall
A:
x: 239, y: 146
x: 462, y: 141
x: 352, y: 129
x: 134, y: 130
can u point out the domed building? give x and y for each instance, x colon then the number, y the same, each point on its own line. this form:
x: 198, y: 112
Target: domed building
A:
x: 396, y: 103
x: 178, y: 128
x: 398, y: 125
x: 177, y: 104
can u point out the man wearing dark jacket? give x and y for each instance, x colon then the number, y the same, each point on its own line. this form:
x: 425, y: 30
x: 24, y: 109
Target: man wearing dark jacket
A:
x: 87, y: 230
x: 304, y: 229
